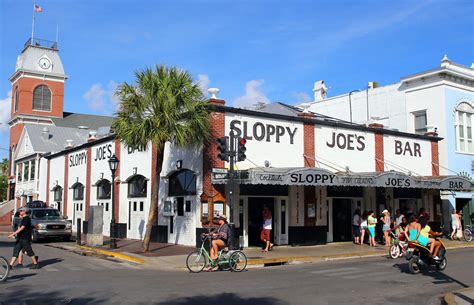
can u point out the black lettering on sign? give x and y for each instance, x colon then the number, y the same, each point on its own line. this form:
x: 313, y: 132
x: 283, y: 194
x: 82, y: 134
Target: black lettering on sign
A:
x: 398, y: 182
x: 348, y: 142
x: 103, y: 152
x: 132, y: 150
x: 406, y: 149
x: 456, y: 185
x: 262, y: 132
x: 77, y: 159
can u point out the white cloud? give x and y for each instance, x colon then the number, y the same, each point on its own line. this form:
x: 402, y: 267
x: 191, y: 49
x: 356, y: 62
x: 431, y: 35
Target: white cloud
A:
x: 203, y: 81
x: 5, y: 109
x: 102, y: 100
x: 302, y: 97
x: 253, y: 95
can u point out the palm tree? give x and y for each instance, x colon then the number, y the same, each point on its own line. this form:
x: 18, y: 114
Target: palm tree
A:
x: 164, y: 105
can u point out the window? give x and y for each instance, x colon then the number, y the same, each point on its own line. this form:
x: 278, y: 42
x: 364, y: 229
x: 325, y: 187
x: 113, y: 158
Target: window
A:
x: 464, y: 121
x: 182, y: 183
x: 58, y: 193
x: 78, y: 191
x: 205, y: 209
x: 218, y: 209
x: 32, y: 169
x: 19, y: 171
x: 137, y: 186
x: 141, y: 206
x: 188, y: 206
x: 42, y: 98
x: 26, y: 172
x: 15, y: 100
x: 420, y: 122
x: 103, y: 189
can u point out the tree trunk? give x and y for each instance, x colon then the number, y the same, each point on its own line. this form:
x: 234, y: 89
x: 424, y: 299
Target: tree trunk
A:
x: 153, y: 213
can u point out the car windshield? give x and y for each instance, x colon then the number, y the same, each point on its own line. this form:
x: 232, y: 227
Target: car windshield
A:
x: 46, y: 214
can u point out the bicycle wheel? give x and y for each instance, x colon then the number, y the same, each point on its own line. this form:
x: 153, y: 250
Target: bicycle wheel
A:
x: 4, y: 269
x: 196, y: 261
x: 238, y: 261
x: 467, y: 235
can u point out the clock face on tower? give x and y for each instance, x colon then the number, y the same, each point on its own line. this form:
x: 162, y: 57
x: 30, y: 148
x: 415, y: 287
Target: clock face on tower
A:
x: 44, y: 63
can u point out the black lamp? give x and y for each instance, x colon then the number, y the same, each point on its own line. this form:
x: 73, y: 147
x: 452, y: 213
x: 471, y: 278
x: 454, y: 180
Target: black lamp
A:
x: 113, y: 165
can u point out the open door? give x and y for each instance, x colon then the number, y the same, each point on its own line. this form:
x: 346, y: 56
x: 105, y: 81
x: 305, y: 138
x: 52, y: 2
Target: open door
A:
x: 281, y: 221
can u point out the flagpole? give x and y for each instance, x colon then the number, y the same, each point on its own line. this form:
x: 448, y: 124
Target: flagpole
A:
x: 33, y: 23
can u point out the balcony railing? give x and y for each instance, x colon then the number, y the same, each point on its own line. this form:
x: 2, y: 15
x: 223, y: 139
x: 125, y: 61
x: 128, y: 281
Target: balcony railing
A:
x: 41, y: 43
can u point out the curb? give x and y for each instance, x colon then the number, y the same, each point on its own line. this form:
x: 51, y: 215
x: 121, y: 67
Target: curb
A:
x: 293, y: 260
x: 119, y: 255
x: 449, y: 298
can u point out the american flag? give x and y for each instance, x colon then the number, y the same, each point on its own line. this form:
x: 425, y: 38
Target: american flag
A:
x: 38, y: 9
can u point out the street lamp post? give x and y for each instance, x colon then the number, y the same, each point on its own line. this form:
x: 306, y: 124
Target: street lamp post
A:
x: 113, y: 165
x: 350, y: 103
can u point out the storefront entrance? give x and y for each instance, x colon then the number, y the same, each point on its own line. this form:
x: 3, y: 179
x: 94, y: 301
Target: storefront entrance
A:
x: 255, y: 219
x: 342, y: 219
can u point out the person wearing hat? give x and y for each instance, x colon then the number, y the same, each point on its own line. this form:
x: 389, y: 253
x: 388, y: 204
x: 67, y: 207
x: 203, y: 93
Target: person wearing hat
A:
x: 386, y: 226
x: 219, y: 237
x: 23, y: 241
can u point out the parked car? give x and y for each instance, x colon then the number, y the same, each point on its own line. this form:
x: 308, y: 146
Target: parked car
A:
x: 47, y: 223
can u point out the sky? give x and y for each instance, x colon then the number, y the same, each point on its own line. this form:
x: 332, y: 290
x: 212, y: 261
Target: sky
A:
x: 253, y: 51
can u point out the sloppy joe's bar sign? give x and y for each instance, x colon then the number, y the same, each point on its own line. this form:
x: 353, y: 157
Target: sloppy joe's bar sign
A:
x: 313, y: 176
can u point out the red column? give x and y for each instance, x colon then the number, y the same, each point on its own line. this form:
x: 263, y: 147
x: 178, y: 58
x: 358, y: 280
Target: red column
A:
x: 308, y: 146
x: 379, y: 153
x: 434, y: 158
x: 117, y: 185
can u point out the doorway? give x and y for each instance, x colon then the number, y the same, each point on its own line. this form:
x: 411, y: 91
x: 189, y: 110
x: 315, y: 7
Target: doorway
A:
x: 342, y: 219
x: 255, y: 219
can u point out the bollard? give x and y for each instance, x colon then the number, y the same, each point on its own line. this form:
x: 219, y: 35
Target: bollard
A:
x: 78, y: 231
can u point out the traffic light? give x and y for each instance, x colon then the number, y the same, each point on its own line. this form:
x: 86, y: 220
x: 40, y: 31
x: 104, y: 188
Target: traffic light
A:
x: 241, y: 149
x: 223, y: 148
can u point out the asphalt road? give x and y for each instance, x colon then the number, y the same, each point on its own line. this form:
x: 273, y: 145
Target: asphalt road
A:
x: 68, y: 278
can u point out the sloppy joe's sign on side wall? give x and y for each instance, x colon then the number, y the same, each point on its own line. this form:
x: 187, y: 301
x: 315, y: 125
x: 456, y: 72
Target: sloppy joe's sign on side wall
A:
x: 102, y: 152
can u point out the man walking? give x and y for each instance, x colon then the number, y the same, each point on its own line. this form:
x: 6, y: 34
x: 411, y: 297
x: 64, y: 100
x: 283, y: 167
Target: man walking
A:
x: 266, y: 229
x: 23, y: 241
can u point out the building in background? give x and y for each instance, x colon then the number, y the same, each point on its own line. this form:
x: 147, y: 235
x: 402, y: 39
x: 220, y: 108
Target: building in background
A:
x: 440, y: 100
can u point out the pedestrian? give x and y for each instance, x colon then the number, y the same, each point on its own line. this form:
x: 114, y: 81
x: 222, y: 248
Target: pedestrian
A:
x: 371, y: 223
x: 422, y: 214
x: 398, y: 217
x: 356, y: 220
x: 413, y: 229
x: 454, y: 224
x: 23, y: 241
x: 386, y: 226
x: 266, y: 229
x: 363, y: 227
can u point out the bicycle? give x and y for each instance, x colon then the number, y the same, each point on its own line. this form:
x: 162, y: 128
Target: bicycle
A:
x: 197, y: 260
x: 468, y: 232
x: 4, y: 269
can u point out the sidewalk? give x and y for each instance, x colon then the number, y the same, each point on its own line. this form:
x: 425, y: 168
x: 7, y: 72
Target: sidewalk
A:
x: 460, y: 297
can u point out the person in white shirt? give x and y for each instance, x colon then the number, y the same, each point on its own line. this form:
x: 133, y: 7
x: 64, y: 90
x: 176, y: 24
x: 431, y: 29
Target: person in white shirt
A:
x: 266, y: 229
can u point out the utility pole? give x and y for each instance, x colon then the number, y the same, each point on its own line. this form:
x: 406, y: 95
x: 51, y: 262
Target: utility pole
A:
x: 230, y: 188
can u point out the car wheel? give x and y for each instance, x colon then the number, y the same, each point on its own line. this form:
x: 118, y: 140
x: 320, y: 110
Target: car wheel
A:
x: 34, y: 236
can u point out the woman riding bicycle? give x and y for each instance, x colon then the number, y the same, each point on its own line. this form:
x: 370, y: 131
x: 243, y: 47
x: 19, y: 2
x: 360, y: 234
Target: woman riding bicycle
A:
x: 219, y: 237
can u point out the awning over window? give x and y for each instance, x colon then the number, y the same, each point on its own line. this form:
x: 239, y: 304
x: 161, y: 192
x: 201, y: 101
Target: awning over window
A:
x: 317, y: 176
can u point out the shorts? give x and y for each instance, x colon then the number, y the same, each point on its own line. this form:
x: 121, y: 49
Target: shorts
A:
x: 386, y: 227
x: 363, y: 228
x: 371, y: 231
x: 24, y: 245
x: 265, y: 235
x: 356, y: 230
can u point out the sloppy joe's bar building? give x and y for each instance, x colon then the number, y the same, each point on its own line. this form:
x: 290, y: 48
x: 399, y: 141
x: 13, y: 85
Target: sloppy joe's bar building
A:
x: 311, y: 171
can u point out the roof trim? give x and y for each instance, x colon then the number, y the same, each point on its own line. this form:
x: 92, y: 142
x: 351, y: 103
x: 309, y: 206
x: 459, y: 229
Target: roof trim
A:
x: 82, y: 146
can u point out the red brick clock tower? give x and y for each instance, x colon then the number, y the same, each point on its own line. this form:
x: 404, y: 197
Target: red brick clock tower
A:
x: 37, y: 92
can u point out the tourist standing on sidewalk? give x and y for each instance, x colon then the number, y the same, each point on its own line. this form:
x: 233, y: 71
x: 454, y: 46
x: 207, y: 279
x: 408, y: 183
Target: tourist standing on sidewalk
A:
x: 371, y: 223
x: 266, y: 229
x: 455, y: 225
x: 356, y: 220
x: 386, y: 226
x: 23, y: 241
x: 363, y: 227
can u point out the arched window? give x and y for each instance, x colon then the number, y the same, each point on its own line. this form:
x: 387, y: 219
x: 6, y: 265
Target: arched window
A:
x: 78, y: 191
x: 58, y: 193
x: 15, y: 100
x: 137, y: 186
x: 182, y: 183
x: 42, y: 98
x: 104, y: 189
x: 464, y: 123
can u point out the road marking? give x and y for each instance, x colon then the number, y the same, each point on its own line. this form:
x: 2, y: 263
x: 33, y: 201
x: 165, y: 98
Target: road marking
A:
x: 368, y: 275
x: 334, y: 270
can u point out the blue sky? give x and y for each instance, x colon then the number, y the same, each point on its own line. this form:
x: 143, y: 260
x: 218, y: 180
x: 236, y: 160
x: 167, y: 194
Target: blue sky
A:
x: 252, y: 50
